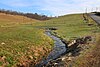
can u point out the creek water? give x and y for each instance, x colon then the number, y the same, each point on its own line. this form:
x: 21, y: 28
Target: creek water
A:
x: 58, y: 50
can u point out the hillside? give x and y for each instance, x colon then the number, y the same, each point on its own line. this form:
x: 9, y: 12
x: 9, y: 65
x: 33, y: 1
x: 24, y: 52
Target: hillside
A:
x: 73, y: 26
x: 7, y: 19
x: 29, y: 15
x: 23, y: 41
x: 70, y: 26
x: 20, y: 42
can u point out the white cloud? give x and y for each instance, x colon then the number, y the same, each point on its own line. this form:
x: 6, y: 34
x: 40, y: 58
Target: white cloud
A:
x: 56, y: 7
x: 61, y: 7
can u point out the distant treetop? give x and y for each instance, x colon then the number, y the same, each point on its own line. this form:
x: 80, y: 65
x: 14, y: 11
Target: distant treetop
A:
x: 29, y: 15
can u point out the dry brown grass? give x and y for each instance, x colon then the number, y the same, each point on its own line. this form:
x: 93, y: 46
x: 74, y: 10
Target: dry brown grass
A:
x: 91, y: 58
x: 7, y: 19
x: 20, y: 42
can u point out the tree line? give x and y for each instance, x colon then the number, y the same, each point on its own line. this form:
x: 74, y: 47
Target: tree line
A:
x: 29, y: 15
x: 97, y: 13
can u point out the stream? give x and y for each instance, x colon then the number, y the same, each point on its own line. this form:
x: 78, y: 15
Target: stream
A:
x: 58, y: 50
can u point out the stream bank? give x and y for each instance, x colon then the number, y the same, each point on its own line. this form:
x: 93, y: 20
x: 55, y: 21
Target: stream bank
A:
x: 58, y: 50
x: 62, y: 51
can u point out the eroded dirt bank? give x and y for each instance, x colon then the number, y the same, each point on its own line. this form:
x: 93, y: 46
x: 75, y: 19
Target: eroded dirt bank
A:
x: 74, y: 49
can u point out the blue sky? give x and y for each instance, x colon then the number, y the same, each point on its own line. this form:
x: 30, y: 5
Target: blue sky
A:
x: 50, y: 7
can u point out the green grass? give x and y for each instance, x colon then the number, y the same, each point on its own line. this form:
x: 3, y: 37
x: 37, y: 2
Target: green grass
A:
x: 22, y: 40
x: 19, y: 40
x: 70, y: 26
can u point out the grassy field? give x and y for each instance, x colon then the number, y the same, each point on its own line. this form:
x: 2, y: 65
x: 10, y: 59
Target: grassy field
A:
x: 11, y: 20
x: 70, y: 26
x: 22, y: 40
x: 73, y: 26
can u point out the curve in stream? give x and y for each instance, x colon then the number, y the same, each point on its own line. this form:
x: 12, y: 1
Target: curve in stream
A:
x: 58, y: 50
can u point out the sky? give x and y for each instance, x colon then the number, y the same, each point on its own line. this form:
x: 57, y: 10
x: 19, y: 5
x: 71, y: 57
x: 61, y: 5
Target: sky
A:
x: 51, y: 7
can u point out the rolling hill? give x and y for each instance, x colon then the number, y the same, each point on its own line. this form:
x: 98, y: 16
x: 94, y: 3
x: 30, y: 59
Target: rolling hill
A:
x: 7, y: 19
x: 23, y: 41
x: 20, y: 42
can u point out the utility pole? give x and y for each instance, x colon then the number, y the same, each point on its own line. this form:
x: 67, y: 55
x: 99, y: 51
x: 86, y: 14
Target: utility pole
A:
x: 86, y: 10
x: 85, y: 16
x: 96, y: 9
x: 91, y: 9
